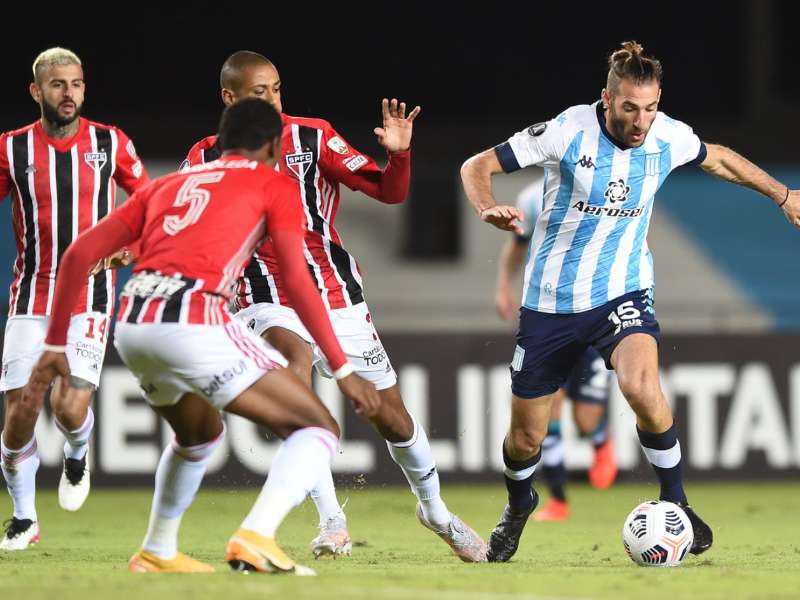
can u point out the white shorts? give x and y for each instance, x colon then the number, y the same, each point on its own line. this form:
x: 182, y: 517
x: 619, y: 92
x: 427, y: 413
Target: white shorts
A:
x: 353, y: 327
x: 24, y: 343
x: 217, y: 362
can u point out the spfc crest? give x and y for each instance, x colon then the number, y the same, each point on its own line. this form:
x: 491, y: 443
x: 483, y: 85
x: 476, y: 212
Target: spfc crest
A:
x: 299, y: 163
x: 96, y: 160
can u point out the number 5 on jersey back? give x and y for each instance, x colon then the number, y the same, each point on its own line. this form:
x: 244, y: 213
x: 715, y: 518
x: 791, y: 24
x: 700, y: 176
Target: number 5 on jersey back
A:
x: 195, y: 196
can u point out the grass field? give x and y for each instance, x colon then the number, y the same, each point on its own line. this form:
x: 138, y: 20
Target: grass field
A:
x: 83, y: 555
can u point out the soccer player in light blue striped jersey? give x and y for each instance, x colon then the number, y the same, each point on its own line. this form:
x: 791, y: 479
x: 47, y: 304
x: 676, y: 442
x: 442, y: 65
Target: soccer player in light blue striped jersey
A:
x: 589, y: 274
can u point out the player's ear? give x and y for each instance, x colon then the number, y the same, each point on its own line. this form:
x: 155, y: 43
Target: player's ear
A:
x: 605, y: 97
x: 227, y: 96
x: 36, y: 92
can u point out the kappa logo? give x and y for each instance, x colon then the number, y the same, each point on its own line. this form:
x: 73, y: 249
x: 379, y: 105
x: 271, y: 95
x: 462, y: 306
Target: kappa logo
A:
x: 96, y: 160
x: 338, y: 145
x: 586, y: 161
x: 299, y: 163
x: 617, y: 191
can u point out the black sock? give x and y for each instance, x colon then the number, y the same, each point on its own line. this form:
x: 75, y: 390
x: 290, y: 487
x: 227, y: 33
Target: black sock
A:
x: 664, y: 453
x: 520, y: 496
x: 556, y: 477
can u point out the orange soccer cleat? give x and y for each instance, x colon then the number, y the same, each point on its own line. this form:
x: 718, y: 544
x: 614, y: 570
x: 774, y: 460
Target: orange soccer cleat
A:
x: 554, y: 510
x: 603, y: 471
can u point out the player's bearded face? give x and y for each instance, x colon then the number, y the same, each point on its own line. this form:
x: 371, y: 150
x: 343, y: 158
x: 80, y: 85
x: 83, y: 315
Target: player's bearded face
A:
x: 62, y: 92
x: 631, y: 111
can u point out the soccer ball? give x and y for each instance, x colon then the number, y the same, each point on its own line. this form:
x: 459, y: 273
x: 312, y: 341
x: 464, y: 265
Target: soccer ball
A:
x: 657, y: 534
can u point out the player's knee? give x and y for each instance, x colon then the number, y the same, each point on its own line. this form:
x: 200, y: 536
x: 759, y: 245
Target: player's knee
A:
x: 640, y: 388
x: 524, y: 443
x: 21, y: 413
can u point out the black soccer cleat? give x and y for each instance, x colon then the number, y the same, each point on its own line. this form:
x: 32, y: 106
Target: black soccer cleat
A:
x: 74, y: 469
x: 504, y: 540
x: 703, y: 537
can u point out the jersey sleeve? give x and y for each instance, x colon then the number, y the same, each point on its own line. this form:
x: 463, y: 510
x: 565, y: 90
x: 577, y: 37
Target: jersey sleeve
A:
x: 130, y: 172
x: 540, y: 144
x: 194, y: 157
x: 685, y: 146
x: 343, y: 163
x: 5, y: 171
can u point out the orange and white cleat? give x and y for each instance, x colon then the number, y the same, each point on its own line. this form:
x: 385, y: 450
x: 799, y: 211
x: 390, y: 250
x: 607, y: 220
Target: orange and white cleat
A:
x: 248, y: 551
x: 145, y: 562
x: 462, y: 539
x: 603, y: 471
x: 333, y: 539
x: 554, y: 510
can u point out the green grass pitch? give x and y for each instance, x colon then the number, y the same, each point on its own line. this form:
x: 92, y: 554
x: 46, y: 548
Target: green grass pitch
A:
x: 83, y: 555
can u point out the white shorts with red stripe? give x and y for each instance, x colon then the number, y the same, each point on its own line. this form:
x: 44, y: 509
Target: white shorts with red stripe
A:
x: 24, y: 344
x: 353, y: 327
x: 218, y: 362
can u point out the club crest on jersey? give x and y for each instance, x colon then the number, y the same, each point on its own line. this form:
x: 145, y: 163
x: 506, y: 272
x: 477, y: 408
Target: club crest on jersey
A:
x: 617, y: 191
x: 338, y: 145
x: 96, y: 160
x: 299, y: 163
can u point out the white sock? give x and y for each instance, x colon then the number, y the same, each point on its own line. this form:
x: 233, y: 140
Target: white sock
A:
x: 78, y: 440
x: 298, y: 467
x: 552, y: 450
x: 178, y: 478
x: 19, y: 470
x: 416, y: 460
x: 324, y: 497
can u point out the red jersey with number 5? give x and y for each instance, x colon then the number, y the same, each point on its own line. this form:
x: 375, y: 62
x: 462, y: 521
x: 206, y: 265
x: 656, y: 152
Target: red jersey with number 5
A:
x: 60, y: 188
x: 199, y: 227
x: 317, y: 159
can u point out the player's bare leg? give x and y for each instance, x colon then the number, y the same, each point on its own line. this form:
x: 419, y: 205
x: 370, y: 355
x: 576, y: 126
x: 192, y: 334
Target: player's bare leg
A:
x: 635, y: 360
x: 522, y: 450
x: 20, y: 463
x: 409, y: 447
x: 71, y: 401
x: 333, y: 538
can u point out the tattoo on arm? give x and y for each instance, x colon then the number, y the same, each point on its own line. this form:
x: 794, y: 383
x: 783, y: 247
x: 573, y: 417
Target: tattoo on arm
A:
x: 79, y: 383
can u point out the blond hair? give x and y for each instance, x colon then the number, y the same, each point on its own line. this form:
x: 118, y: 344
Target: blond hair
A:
x: 54, y: 57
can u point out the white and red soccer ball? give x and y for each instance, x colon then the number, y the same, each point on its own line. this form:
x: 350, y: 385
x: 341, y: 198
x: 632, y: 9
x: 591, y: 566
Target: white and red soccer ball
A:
x: 657, y: 534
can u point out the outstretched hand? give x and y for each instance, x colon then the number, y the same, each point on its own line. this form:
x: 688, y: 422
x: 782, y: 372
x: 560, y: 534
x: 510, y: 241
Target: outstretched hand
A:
x: 395, y: 135
x: 791, y: 209
x: 507, y: 218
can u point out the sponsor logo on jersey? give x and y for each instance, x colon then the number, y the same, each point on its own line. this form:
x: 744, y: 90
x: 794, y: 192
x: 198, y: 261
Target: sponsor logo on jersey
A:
x: 617, y: 191
x: 299, y: 163
x: 356, y: 162
x: 96, y: 160
x: 374, y: 356
x: 338, y: 145
x: 607, y: 211
x: 131, y: 149
x: 537, y: 129
x: 586, y: 162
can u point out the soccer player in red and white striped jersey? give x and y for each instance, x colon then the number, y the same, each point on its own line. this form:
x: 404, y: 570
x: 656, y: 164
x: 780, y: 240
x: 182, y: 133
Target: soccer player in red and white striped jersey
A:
x: 61, y: 172
x: 318, y: 160
x: 174, y: 331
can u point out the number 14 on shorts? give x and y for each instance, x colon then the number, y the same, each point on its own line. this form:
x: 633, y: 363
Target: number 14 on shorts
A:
x: 96, y: 331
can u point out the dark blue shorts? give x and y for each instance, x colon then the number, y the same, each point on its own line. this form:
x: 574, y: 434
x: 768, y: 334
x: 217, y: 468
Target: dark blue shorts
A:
x: 589, y: 382
x: 549, y: 345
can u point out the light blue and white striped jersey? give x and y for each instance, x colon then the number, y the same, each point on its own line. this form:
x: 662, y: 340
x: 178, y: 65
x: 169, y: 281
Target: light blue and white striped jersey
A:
x: 589, y: 245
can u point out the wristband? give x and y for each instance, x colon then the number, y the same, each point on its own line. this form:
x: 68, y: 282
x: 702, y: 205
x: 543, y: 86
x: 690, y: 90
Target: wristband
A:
x: 343, y: 371
x: 55, y: 348
x: 785, y: 199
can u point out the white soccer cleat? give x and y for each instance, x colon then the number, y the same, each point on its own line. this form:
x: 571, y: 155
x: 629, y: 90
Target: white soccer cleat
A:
x: 462, y: 539
x: 20, y: 533
x: 74, y: 485
x: 333, y: 539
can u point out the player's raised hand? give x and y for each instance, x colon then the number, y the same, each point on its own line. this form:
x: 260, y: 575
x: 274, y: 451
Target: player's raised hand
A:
x: 50, y: 366
x: 792, y: 207
x: 395, y: 135
x: 507, y: 218
x: 365, y: 398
